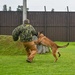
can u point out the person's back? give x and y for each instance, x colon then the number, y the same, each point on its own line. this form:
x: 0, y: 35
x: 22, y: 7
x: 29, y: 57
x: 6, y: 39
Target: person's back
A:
x: 25, y: 31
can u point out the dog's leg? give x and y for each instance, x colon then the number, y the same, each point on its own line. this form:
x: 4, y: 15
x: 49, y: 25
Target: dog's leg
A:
x: 54, y: 50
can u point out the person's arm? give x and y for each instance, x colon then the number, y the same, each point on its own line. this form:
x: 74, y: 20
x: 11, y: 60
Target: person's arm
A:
x: 36, y: 41
x: 16, y: 32
x: 34, y: 31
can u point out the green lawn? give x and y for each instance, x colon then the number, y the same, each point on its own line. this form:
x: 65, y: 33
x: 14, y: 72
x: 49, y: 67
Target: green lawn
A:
x: 13, y: 60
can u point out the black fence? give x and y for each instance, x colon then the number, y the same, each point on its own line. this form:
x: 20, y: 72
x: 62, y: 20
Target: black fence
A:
x: 58, y: 26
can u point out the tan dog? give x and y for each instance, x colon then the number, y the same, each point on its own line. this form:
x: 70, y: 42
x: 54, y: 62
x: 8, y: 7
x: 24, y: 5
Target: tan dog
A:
x: 47, y: 42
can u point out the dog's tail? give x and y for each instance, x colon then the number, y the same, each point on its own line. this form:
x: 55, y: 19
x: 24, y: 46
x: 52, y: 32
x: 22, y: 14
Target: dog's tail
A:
x: 63, y: 46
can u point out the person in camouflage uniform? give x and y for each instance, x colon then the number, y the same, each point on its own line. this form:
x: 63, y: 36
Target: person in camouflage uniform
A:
x: 25, y: 32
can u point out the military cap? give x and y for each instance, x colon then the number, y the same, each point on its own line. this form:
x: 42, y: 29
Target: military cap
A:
x: 27, y: 21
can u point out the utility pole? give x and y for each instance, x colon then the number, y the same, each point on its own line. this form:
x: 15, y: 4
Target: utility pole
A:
x: 24, y: 10
x: 45, y: 19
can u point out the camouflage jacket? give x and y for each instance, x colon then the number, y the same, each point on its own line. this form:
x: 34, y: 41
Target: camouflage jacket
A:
x: 25, y: 32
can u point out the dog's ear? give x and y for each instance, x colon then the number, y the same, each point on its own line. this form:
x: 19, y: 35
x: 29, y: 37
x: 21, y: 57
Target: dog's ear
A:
x: 41, y: 32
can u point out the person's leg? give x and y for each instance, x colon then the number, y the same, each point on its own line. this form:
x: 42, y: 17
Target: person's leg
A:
x: 33, y: 53
x: 28, y: 51
x: 33, y: 49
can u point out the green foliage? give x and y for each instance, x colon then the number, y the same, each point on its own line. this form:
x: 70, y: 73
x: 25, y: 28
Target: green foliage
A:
x: 10, y: 47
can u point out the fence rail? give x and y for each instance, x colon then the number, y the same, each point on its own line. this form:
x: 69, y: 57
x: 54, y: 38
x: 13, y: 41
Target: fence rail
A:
x: 59, y: 26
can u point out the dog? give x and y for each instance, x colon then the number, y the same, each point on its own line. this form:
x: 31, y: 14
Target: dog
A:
x: 42, y: 39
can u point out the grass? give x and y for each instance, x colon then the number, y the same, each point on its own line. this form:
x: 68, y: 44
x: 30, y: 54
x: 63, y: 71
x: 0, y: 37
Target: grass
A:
x: 14, y: 63
x: 9, y: 47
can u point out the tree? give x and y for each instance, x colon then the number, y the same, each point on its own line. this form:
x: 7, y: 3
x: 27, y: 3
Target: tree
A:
x: 20, y: 8
x: 4, y: 7
x: 10, y: 8
x: 52, y: 10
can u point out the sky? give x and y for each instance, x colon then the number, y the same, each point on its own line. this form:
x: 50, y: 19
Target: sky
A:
x: 38, y: 5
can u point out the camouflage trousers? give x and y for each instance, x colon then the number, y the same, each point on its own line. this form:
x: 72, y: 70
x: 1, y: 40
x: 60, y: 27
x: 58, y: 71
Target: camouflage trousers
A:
x: 31, y: 50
